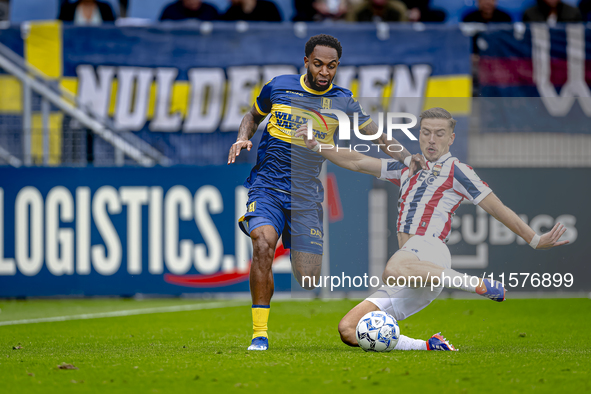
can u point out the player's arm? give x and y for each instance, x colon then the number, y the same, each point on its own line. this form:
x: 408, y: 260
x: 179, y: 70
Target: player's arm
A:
x: 349, y: 160
x: 416, y: 162
x: 495, y: 207
x: 248, y: 127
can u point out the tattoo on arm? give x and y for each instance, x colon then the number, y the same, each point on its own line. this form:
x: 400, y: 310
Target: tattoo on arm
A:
x: 383, y: 142
x: 250, y: 123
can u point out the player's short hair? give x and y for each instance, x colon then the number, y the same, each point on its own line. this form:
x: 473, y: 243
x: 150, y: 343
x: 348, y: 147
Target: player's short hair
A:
x: 439, y: 113
x: 324, y: 40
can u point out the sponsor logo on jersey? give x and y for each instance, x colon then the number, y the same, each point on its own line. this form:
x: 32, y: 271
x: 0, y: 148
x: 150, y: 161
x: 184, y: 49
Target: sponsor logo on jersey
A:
x: 315, y: 232
x: 437, y: 169
x: 292, y: 92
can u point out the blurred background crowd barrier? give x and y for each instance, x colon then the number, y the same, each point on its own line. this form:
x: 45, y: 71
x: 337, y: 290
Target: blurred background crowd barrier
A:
x: 114, y: 141
x: 441, y: 11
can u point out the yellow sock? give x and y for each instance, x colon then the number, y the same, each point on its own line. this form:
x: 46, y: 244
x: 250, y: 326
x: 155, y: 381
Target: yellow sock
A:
x: 260, y: 316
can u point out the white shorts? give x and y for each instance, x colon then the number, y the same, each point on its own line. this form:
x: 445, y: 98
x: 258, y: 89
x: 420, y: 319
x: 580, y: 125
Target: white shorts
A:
x: 404, y: 301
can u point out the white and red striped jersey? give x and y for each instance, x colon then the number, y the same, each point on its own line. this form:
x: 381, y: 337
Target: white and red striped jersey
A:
x: 428, y: 199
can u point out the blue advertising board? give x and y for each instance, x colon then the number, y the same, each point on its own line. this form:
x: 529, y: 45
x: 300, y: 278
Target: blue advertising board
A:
x: 103, y: 231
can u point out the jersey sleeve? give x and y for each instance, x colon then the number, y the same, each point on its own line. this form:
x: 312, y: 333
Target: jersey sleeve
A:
x: 354, y: 107
x: 263, y: 102
x: 392, y: 171
x: 468, y: 184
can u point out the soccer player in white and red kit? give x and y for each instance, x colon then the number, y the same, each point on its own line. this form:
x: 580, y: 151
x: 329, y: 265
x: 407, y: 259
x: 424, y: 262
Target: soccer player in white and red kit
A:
x: 428, y: 199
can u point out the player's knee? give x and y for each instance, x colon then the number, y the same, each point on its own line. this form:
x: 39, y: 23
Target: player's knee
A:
x: 263, y: 247
x: 347, y: 332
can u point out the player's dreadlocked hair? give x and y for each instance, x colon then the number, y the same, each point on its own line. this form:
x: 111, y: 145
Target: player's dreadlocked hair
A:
x: 323, y: 40
x: 439, y: 113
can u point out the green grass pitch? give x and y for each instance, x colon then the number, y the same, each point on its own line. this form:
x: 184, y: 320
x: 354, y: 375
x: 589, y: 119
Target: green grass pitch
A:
x: 520, y: 345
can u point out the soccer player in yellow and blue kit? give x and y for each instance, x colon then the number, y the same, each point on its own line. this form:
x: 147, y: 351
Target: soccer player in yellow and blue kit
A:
x: 285, y: 194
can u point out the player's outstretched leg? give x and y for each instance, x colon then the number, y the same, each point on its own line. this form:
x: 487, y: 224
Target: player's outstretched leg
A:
x: 406, y: 265
x: 264, y: 240
x: 488, y: 288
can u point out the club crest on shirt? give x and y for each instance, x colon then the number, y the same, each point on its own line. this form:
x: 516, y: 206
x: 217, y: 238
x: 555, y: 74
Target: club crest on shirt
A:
x: 326, y: 103
x: 437, y: 169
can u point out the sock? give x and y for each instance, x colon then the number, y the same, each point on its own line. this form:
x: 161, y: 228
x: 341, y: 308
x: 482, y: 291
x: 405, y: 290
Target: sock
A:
x: 260, y: 316
x: 454, y: 280
x: 406, y: 343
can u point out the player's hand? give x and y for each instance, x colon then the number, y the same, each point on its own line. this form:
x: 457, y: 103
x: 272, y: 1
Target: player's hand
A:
x: 550, y: 239
x: 302, y: 132
x: 236, y: 148
x: 417, y: 163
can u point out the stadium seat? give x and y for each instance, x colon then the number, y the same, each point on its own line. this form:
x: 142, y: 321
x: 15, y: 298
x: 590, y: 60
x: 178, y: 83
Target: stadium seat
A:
x: 453, y: 8
x: 30, y: 10
x: 221, y: 5
x: 147, y: 9
x: 286, y: 9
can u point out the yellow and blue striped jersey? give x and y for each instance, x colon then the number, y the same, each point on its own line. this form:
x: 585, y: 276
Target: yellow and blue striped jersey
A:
x: 283, y: 161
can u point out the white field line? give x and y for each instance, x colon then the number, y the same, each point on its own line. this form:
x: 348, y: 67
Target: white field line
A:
x: 130, y: 312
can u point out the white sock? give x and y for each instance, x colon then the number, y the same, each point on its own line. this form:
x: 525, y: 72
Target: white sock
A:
x: 454, y: 280
x: 406, y: 343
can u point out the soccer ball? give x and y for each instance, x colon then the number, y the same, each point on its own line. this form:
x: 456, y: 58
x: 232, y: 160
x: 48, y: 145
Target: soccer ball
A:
x: 377, y: 332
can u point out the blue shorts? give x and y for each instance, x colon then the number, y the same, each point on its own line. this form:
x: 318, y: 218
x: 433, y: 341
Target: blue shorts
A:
x: 300, y: 223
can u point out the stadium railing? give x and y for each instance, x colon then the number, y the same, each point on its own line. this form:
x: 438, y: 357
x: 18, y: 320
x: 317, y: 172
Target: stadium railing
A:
x: 29, y: 139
